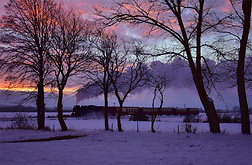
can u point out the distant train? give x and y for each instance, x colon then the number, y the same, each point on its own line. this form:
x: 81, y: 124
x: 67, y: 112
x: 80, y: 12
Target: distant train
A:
x: 83, y: 110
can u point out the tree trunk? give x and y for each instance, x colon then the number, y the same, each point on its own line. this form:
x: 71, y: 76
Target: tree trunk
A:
x: 154, y: 116
x: 206, y: 101
x: 106, y: 109
x: 198, y: 79
x: 60, y: 112
x: 246, y: 7
x: 152, y: 126
x: 196, y: 73
x: 153, y: 110
x: 40, y: 97
x: 210, y: 112
x: 40, y: 106
x: 119, y: 118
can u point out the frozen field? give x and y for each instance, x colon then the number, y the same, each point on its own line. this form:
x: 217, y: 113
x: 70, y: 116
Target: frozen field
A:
x: 128, y: 147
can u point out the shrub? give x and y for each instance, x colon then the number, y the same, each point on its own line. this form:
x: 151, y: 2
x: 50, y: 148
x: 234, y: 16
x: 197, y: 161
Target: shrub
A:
x: 236, y: 120
x: 22, y: 121
x: 191, y: 119
x: 47, y: 128
x: 188, y: 119
x: 139, y: 117
x: 227, y: 118
x: 189, y: 128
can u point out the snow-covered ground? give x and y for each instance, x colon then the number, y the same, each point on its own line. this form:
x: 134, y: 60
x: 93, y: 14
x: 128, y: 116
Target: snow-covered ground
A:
x: 128, y: 147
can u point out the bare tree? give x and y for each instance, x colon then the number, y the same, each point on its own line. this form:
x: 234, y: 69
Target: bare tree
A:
x: 159, y: 82
x: 104, y: 46
x: 127, y: 73
x: 184, y: 21
x: 70, y: 51
x: 25, y: 30
x: 246, y: 8
x: 232, y: 47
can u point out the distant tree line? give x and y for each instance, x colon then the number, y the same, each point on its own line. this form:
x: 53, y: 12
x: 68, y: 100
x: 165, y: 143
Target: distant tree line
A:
x: 43, y: 44
x: 18, y: 108
x: 21, y: 108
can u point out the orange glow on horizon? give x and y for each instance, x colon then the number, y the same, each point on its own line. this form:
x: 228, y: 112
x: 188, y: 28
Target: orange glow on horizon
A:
x: 67, y: 90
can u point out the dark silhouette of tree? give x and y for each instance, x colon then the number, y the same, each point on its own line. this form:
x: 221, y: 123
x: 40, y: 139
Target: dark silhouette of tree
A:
x: 159, y: 82
x: 185, y: 22
x: 237, y: 64
x: 246, y: 8
x: 104, y: 45
x: 127, y: 73
x: 25, y: 30
x: 118, y: 67
x: 70, y: 50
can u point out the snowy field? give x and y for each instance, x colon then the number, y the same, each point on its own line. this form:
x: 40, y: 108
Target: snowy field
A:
x: 129, y: 147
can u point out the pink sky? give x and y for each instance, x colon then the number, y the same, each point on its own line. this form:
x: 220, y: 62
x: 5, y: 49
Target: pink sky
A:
x: 77, y: 3
x: 86, y: 4
x: 2, y: 3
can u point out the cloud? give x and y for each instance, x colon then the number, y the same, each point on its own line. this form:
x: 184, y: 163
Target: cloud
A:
x: 181, y: 91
